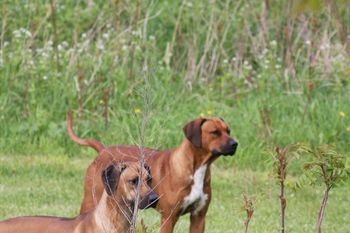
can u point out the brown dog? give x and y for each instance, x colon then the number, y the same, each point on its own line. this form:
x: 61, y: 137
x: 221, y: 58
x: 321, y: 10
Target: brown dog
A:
x: 181, y: 177
x: 113, y: 214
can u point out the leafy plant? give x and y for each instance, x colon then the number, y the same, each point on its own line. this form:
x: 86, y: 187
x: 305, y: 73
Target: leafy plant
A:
x: 328, y: 168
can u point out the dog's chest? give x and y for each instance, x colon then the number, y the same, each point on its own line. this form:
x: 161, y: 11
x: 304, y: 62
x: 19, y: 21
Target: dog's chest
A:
x: 196, y: 199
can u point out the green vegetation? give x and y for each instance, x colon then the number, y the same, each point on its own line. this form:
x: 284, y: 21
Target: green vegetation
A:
x: 276, y: 71
x: 52, y: 185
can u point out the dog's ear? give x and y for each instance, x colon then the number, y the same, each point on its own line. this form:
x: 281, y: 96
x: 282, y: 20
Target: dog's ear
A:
x: 193, y: 131
x: 110, y: 178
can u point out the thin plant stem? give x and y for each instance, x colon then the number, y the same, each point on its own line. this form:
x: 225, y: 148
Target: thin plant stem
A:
x: 55, y: 36
x: 322, y: 209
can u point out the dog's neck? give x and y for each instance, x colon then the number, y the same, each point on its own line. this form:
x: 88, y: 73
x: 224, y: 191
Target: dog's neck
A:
x: 192, y: 156
x: 112, y: 215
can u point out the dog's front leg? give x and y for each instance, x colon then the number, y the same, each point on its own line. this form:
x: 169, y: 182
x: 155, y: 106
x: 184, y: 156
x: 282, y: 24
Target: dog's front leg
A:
x: 168, y: 222
x: 197, y: 223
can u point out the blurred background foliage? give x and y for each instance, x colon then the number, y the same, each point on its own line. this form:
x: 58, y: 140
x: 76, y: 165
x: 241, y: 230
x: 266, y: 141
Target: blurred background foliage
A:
x: 276, y: 71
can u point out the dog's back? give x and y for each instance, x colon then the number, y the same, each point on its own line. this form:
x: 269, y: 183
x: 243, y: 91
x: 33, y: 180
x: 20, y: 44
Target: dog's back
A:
x: 38, y: 225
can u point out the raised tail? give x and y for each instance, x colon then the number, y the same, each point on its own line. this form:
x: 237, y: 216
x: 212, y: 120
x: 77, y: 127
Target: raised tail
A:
x: 98, y: 146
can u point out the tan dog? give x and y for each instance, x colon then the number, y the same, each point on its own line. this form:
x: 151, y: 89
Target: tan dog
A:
x: 113, y: 214
x: 181, y: 177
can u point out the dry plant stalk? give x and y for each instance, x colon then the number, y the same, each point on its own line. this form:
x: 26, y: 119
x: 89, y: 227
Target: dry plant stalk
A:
x: 266, y: 122
x: 263, y: 22
x: 249, y: 208
x: 323, y: 205
x: 338, y: 23
x: 281, y: 165
x: 142, y: 130
x: 55, y: 37
x: 80, y: 93
x: 106, y: 95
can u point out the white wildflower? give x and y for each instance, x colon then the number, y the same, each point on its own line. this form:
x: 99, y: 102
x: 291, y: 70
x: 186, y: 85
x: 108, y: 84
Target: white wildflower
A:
x: 105, y: 35
x: 39, y: 50
x: 70, y: 50
x: 17, y: 33
x: 100, y: 45
x: 65, y: 44
x: 189, y: 4
x: 26, y: 32
x: 273, y: 43
x: 44, y: 55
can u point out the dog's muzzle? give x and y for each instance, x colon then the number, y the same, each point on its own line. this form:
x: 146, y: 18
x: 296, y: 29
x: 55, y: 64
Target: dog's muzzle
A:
x: 228, y: 149
x: 149, y: 201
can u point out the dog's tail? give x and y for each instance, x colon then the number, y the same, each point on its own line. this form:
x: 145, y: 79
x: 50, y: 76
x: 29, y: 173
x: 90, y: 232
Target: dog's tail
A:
x: 98, y: 146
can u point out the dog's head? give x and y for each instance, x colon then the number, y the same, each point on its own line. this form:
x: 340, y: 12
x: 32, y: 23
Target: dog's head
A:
x: 130, y: 181
x: 211, y: 134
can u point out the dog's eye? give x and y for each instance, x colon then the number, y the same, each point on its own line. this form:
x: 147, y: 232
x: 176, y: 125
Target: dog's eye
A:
x: 216, y: 133
x: 228, y: 131
x: 149, y: 180
x: 134, y: 181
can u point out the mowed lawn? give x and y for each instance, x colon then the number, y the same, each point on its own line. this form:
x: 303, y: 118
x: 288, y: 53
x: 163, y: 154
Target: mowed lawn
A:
x: 52, y: 185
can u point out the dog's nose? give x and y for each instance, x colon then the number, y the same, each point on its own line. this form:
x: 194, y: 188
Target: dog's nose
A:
x: 233, y: 143
x: 153, y: 199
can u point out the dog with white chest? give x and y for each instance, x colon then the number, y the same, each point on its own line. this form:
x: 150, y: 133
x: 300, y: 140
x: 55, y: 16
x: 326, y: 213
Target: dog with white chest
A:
x: 181, y: 176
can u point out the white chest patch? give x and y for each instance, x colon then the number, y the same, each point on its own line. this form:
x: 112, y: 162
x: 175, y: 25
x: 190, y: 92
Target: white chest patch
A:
x: 197, y: 197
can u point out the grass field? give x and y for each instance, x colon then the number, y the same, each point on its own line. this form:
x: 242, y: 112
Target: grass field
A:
x: 52, y: 185
x: 276, y: 71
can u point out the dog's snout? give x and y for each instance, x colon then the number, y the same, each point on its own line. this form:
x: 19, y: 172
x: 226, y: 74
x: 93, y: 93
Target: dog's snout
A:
x: 153, y: 199
x: 149, y: 201
x: 233, y: 143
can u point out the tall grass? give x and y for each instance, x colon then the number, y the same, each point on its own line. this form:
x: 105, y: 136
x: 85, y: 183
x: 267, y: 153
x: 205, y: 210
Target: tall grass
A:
x: 276, y: 71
